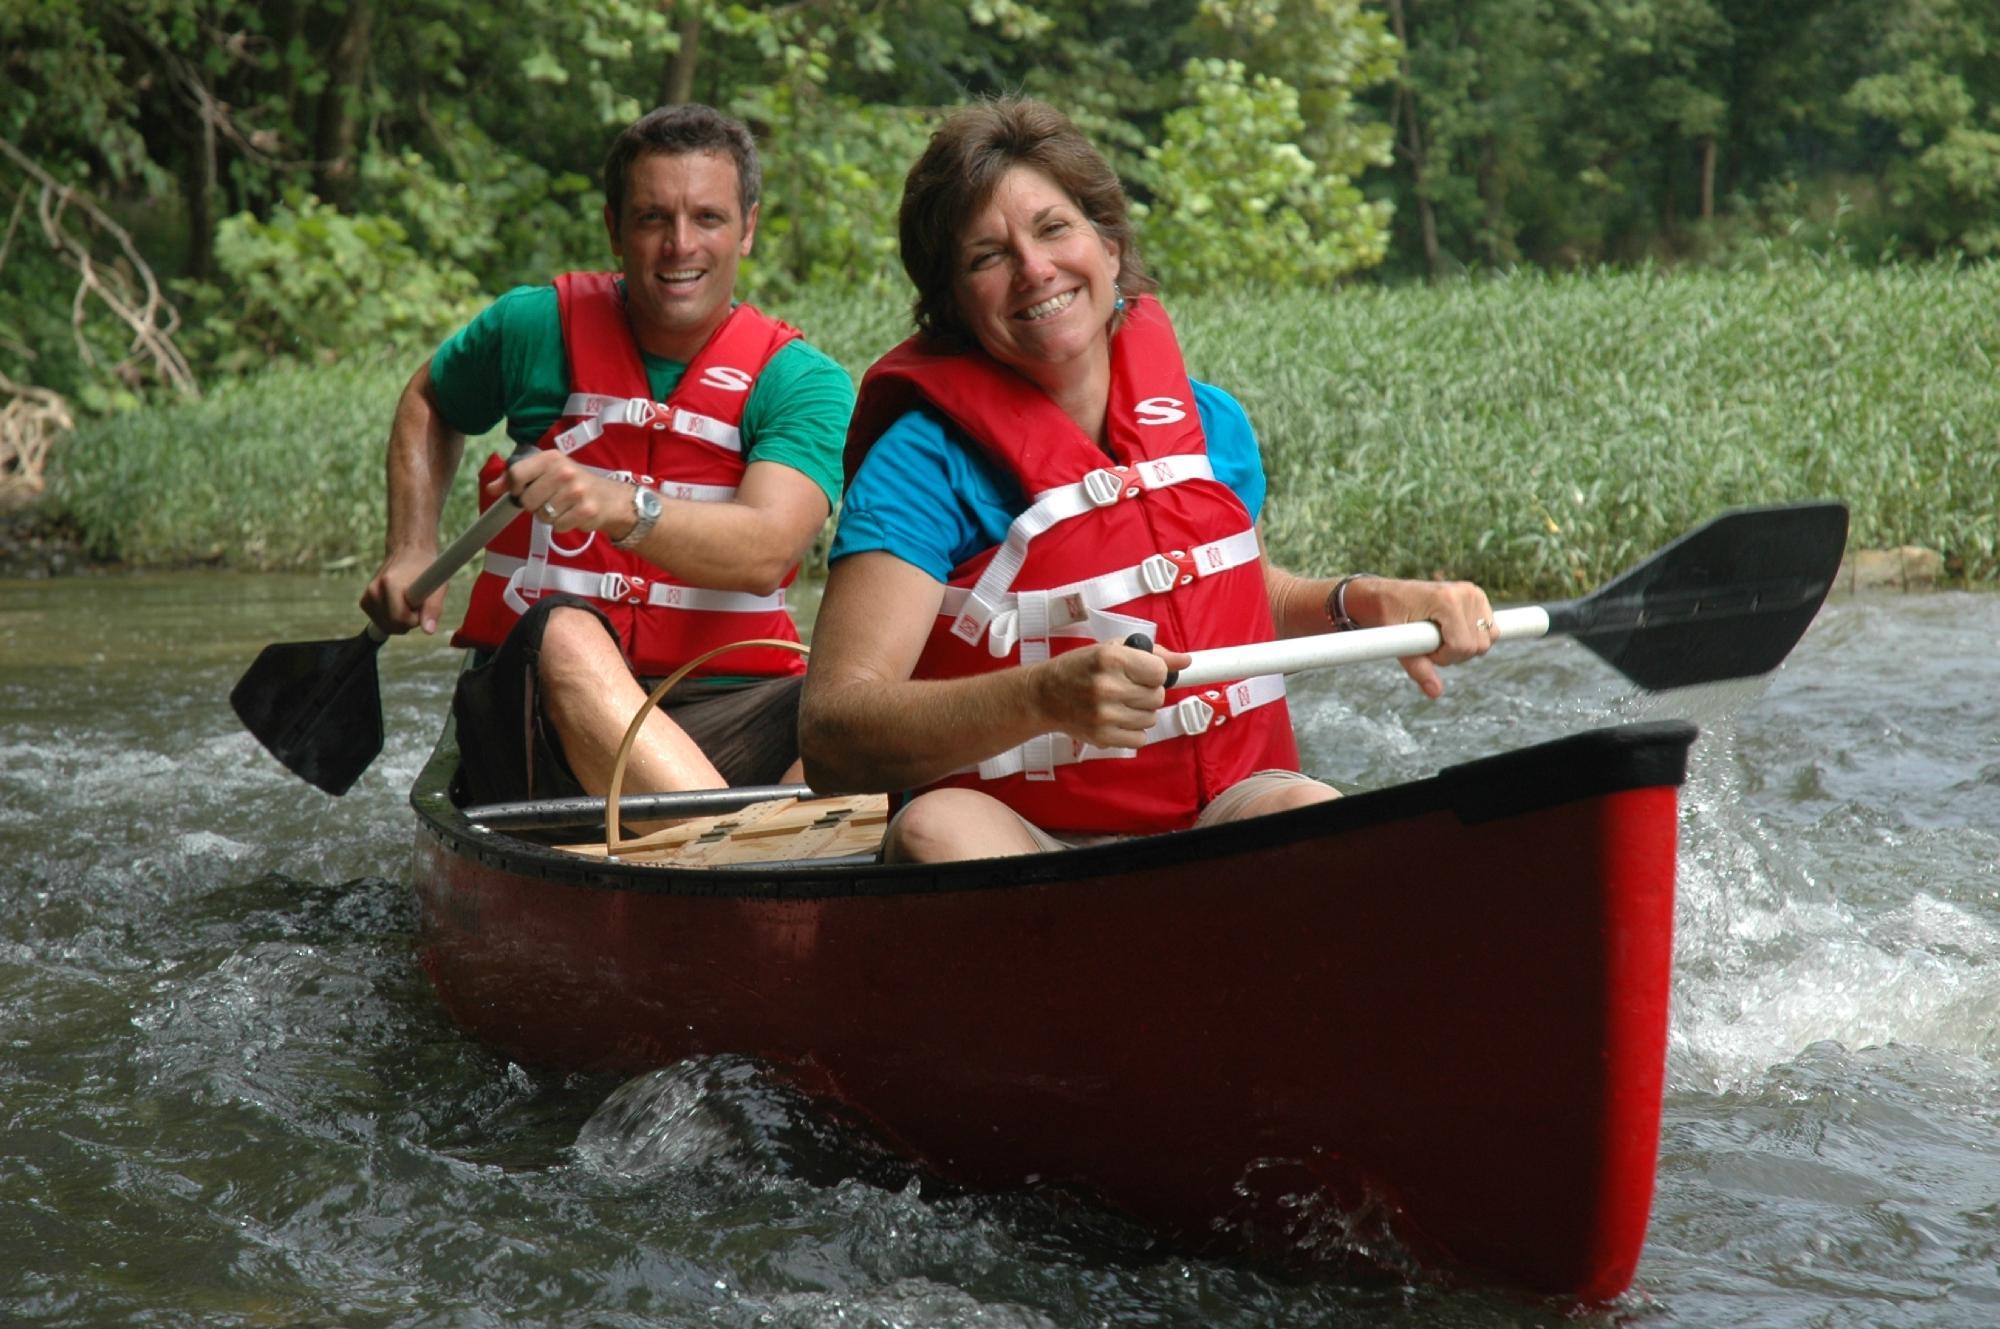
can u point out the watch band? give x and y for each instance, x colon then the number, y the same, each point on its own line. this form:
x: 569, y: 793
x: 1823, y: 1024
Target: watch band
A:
x: 1336, y: 602
x: 645, y: 514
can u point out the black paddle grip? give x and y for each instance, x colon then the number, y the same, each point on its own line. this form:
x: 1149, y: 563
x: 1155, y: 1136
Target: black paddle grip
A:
x: 1139, y: 641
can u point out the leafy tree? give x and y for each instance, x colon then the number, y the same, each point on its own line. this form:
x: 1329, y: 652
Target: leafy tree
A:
x: 69, y: 101
x: 310, y: 282
x: 1239, y: 201
x: 324, y: 174
x: 1328, y: 50
x: 1940, y: 92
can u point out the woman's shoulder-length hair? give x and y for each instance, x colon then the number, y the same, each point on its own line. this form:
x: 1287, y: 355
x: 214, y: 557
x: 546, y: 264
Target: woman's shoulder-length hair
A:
x: 966, y: 158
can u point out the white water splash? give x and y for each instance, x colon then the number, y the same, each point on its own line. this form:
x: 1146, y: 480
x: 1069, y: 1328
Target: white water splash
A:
x: 659, y: 1122
x: 906, y: 1303
x: 1774, y: 954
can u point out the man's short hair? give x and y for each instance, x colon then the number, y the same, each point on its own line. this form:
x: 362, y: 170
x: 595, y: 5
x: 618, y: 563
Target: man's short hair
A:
x: 672, y: 130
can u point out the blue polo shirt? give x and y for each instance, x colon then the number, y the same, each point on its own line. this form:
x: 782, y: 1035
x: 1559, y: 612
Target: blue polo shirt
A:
x: 932, y: 497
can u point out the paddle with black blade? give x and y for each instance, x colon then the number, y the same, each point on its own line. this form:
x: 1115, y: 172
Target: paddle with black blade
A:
x: 1727, y: 600
x: 317, y: 705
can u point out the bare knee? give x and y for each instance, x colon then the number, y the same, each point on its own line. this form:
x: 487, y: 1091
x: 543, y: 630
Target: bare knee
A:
x: 1265, y: 797
x: 927, y: 830
x: 1303, y: 793
x: 576, y: 649
x: 948, y: 824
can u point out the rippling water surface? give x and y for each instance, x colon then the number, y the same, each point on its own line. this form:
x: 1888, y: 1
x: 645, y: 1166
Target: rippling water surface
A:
x: 227, y: 1096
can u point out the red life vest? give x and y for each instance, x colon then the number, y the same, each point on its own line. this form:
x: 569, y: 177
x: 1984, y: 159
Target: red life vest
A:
x: 689, y: 447
x: 1143, y: 540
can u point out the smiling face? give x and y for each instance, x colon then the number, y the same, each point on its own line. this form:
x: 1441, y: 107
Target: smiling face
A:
x: 679, y: 240
x: 1036, y: 282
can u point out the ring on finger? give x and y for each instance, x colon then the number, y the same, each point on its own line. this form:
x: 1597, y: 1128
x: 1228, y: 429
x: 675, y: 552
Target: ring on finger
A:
x: 549, y: 513
x: 1483, y: 624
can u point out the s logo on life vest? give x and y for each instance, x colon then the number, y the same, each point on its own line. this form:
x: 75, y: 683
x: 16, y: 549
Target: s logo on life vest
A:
x: 727, y: 378
x: 1161, y: 410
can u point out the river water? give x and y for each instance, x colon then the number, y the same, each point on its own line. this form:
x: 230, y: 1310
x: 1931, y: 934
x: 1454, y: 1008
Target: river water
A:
x: 227, y: 1096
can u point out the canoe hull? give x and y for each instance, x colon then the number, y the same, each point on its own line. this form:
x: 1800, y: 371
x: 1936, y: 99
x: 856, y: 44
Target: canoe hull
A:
x: 1436, y: 1013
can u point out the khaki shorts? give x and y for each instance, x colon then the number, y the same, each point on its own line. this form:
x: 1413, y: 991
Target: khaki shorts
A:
x: 508, y: 751
x: 1226, y: 806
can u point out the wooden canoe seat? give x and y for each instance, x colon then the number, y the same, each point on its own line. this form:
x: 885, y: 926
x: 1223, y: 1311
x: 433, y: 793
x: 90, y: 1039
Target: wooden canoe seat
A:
x: 778, y: 830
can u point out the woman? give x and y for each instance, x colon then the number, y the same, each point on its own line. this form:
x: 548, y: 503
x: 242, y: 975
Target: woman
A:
x: 1033, y: 480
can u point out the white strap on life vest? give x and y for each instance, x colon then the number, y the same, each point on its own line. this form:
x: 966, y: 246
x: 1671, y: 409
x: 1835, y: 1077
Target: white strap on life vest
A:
x: 1081, y: 608
x: 524, y: 587
x: 622, y: 588
x: 708, y: 429
x: 595, y: 411
x: 669, y: 488
x: 1039, y: 756
x: 525, y: 584
x: 1050, y: 508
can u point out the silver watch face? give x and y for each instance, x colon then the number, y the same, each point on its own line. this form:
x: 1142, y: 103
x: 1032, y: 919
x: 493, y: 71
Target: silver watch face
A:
x: 646, y: 502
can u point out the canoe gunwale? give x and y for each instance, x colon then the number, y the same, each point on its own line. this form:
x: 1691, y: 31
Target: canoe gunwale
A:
x: 1508, y: 784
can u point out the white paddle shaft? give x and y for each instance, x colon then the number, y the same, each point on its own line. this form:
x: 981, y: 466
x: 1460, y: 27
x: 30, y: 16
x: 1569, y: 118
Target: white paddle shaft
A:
x: 1339, y: 648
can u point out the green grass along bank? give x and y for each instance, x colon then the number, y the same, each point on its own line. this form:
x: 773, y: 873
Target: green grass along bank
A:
x: 1536, y: 433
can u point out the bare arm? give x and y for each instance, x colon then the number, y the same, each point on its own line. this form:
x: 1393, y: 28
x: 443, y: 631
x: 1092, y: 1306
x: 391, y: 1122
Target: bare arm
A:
x: 746, y: 544
x: 1299, y: 609
x: 865, y: 724
x: 424, y: 453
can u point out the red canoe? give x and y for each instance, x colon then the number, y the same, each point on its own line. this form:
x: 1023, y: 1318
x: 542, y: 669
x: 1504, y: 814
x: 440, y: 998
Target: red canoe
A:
x: 1436, y: 1011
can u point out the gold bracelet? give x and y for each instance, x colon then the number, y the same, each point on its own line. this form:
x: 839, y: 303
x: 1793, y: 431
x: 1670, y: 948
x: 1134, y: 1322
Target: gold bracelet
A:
x: 1336, y: 602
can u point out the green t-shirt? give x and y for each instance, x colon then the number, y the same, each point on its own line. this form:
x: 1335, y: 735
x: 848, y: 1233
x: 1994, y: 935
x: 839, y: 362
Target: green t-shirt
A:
x: 509, y: 364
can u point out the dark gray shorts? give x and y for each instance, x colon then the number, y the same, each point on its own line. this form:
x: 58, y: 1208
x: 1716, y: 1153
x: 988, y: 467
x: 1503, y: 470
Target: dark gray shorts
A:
x: 507, y: 752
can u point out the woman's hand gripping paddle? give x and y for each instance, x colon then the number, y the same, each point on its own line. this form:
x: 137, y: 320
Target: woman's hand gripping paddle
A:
x: 317, y: 705
x: 1727, y: 600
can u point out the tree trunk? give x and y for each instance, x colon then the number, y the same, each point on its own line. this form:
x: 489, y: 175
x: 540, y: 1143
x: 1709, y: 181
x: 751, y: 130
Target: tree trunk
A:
x: 198, y: 185
x: 1493, y: 190
x: 1405, y: 109
x: 335, y: 127
x: 1487, y: 181
x: 1708, y: 177
x: 677, y: 87
x: 286, y: 22
x: 1671, y: 164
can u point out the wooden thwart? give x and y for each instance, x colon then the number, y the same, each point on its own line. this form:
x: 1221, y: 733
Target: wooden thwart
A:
x: 779, y: 830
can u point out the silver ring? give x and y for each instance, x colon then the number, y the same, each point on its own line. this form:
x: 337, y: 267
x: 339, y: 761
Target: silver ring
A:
x: 1483, y: 624
x: 549, y: 513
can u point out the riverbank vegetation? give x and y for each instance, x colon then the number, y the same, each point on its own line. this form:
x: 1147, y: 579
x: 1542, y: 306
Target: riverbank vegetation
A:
x: 1535, y: 432
x: 232, y: 226
x: 196, y: 188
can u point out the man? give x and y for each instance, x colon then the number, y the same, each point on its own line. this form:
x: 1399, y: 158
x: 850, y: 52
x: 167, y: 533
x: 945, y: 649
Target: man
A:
x: 689, y: 454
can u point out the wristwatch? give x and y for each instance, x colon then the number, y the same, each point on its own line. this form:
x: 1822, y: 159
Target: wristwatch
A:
x: 646, y: 509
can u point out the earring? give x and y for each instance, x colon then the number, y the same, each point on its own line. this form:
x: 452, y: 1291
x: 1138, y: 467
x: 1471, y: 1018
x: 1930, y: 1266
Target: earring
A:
x: 1118, y: 298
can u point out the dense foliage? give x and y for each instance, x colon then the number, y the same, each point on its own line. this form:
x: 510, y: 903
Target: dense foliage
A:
x: 1536, y: 433
x: 1561, y: 131
x: 313, y: 177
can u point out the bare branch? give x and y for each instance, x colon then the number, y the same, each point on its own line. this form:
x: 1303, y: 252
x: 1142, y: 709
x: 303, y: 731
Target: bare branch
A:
x: 30, y: 422
x: 13, y: 222
x: 152, y: 318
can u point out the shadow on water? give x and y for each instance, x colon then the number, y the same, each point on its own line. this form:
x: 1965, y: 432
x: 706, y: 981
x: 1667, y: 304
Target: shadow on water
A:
x: 231, y: 1098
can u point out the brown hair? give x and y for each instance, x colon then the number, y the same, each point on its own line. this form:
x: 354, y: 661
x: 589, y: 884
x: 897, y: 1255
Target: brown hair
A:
x: 967, y: 156
x: 673, y: 130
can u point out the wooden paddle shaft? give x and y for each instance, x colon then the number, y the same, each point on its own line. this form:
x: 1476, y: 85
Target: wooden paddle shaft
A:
x: 1337, y: 648
x: 457, y: 554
